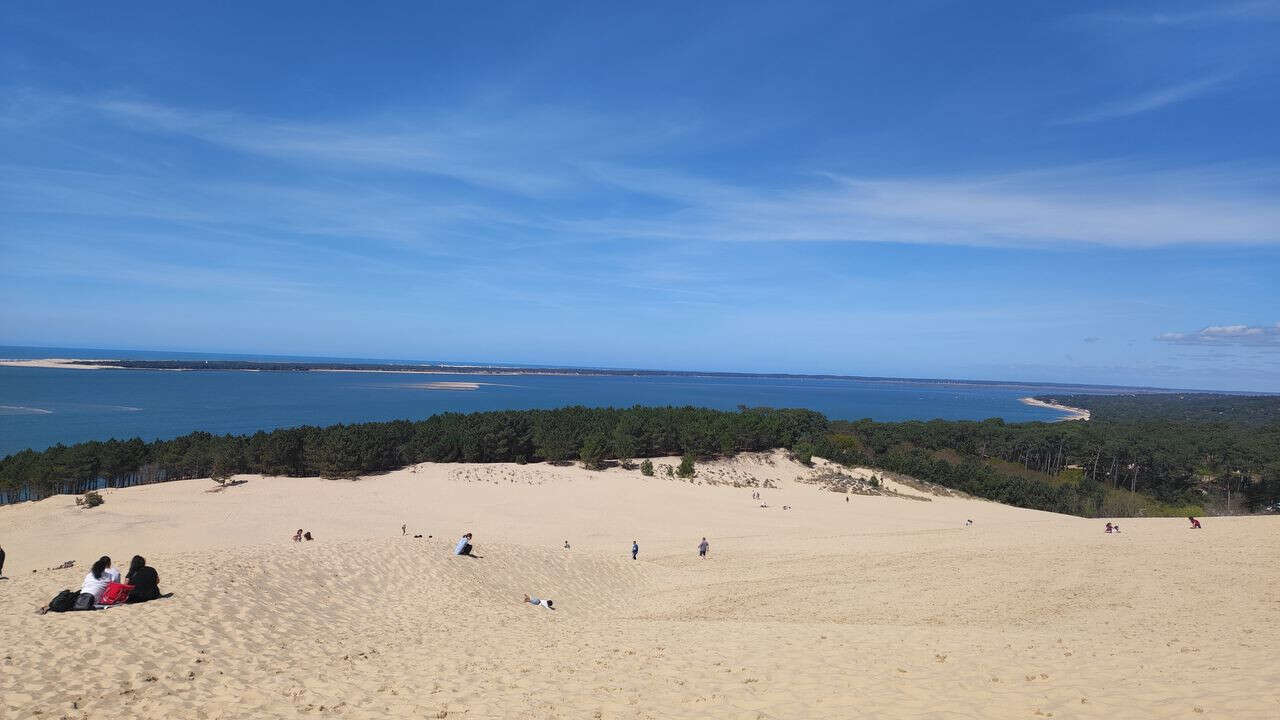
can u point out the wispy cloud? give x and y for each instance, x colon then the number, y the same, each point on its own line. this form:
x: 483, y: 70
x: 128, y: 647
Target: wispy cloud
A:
x: 1149, y: 101
x: 530, y: 152
x: 1105, y: 205
x: 1259, y: 10
x: 546, y: 178
x: 1259, y: 336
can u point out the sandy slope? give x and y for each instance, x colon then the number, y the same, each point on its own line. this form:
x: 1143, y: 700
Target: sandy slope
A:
x: 878, y: 607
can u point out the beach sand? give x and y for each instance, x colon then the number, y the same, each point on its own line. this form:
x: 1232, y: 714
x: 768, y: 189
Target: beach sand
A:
x: 1073, y: 413
x: 880, y: 607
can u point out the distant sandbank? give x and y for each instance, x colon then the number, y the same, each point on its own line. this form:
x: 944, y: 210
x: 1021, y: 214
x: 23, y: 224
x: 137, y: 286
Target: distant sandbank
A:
x: 1073, y: 413
x: 67, y: 363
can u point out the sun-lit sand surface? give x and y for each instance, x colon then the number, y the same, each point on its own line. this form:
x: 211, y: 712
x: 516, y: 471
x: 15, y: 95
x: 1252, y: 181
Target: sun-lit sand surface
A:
x: 880, y: 607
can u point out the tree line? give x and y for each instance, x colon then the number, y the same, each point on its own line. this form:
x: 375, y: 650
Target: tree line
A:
x: 1061, y: 467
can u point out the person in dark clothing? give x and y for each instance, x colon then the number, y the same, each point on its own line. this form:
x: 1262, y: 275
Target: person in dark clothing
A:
x: 144, y: 579
x: 1, y: 562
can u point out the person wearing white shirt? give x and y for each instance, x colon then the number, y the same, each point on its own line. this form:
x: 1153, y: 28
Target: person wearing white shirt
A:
x: 100, y: 575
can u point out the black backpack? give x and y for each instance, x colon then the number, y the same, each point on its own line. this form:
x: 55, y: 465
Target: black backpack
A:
x: 63, y: 601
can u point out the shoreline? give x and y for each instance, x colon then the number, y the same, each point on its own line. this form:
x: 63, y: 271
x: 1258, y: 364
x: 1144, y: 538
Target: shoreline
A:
x: 1073, y: 413
x: 518, y: 370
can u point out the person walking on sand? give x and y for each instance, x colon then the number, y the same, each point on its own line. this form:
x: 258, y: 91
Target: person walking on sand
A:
x: 635, y: 549
x: 404, y: 528
x: 703, y: 547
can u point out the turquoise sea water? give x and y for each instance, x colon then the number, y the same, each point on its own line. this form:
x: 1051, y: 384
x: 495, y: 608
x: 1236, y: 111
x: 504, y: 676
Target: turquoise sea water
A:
x: 42, y: 407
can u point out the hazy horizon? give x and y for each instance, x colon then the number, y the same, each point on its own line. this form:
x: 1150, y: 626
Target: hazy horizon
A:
x: 180, y: 354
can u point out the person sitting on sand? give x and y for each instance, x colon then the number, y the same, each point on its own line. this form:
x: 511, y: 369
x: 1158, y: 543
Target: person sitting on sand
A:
x: 100, y: 576
x: 144, y: 579
x: 566, y: 544
x: 548, y: 604
x: 1108, y: 528
x: 464, y: 545
x: 1195, y: 524
x: 297, y: 537
x: 307, y: 536
x: 1116, y: 527
x: 967, y: 523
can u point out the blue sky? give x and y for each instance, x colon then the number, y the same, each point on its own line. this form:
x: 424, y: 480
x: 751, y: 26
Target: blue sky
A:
x: 1081, y: 193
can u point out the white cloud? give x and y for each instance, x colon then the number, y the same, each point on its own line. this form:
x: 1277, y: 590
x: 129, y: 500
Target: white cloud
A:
x: 1246, y: 335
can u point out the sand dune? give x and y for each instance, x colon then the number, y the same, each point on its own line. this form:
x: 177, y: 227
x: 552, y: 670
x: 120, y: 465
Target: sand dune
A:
x: 881, y: 606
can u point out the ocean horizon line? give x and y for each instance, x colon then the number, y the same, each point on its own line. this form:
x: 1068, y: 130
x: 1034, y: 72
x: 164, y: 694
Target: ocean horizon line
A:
x: 26, y: 352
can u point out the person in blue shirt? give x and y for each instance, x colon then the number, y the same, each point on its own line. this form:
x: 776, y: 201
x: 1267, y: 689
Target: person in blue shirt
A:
x: 635, y: 549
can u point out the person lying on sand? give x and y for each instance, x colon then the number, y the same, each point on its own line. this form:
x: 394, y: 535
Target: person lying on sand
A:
x: 548, y: 604
x: 144, y: 579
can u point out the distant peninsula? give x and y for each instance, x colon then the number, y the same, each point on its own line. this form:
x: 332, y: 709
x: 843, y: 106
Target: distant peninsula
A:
x: 432, y: 368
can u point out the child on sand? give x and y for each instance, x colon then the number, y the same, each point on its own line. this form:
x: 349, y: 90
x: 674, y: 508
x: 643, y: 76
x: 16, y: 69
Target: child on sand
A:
x: 548, y: 604
x: 297, y: 537
x: 1108, y: 528
x: 1195, y: 524
x: 464, y: 545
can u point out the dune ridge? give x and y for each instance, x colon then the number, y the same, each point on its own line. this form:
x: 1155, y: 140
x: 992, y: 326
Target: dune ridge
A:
x: 876, y: 607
